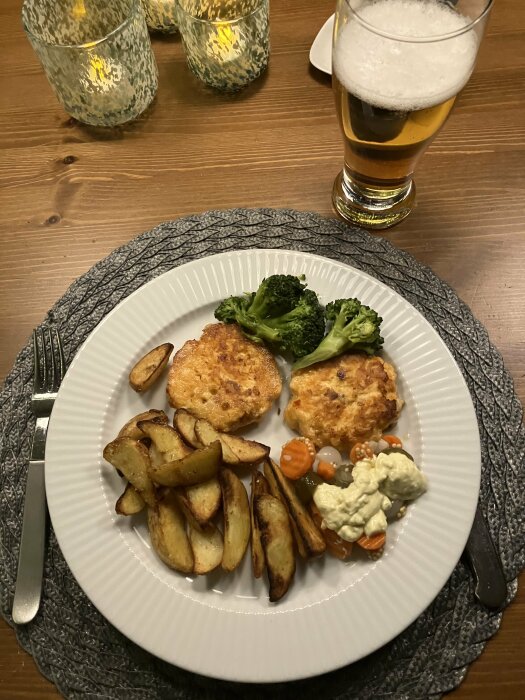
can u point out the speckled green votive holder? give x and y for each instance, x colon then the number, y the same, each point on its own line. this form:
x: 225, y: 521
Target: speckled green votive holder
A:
x: 227, y: 43
x: 161, y: 15
x: 97, y: 56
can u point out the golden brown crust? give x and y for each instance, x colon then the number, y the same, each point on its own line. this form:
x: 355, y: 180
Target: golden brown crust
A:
x: 342, y: 401
x: 224, y: 378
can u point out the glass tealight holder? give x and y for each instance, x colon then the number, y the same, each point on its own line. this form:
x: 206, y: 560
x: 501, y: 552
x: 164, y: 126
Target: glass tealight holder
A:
x: 227, y: 43
x: 161, y: 15
x: 97, y: 56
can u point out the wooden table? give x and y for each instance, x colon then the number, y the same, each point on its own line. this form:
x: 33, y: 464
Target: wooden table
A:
x: 70, y: 195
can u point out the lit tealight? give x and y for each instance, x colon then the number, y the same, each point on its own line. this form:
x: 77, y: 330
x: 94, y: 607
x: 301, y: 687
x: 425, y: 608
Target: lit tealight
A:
x: 225, y: 43
x: 102, y: 74
x: 79, y: 9
x: 105, y: 82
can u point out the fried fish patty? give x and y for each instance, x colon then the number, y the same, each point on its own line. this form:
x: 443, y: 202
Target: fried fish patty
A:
x: 224, y: 377
x: 342, y: 401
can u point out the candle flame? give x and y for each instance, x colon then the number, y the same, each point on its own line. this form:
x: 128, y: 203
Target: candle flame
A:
x: 224, y: 43
x: 101, y: 74
x: 226, y: 36
x: 99, y: 71
x: 79, y: 9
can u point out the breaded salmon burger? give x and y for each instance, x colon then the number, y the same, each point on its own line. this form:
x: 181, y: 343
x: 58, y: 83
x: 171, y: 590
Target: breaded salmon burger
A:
x: 344, y: 400
x: 224, y: 377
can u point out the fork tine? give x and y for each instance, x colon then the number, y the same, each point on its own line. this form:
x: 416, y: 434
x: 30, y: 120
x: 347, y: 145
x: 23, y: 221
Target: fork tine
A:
x: 61, y: 357
x: 45, y: 362
x: 37, y: 374
x: 50, y: 381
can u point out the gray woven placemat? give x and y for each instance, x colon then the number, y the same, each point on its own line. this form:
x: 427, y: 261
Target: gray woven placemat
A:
x: 84, y: 656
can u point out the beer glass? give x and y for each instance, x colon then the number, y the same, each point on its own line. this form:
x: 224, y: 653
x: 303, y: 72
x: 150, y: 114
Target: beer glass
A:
x: 397, y: 68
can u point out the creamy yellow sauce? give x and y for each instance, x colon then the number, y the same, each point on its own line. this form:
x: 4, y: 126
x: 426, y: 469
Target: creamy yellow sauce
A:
x: 361, y: 507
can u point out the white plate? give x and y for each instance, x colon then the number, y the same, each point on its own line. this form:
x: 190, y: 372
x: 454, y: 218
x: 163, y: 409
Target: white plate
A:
x: 321, y: 49
x: 223, y: 625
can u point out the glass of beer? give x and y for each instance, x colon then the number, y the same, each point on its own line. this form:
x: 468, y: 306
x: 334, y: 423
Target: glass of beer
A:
x: 397, y: 68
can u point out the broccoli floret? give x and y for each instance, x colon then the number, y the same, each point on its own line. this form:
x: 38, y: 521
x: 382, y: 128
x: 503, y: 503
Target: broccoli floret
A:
x: 276, y: 295
x: 281, y: 313
x: 301, y: 329
x: 354, y: 327
x: 231, y: 308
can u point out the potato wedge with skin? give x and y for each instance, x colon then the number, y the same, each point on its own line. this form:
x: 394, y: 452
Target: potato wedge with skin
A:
x: 168, y: 443
x: 259, y: 487
x: 207, y: 434
x: 204, y: 500
x: 277, y: 542
x: 149, y: 368
x: 130, y: 502
x: 156, y: 457
x: 184, y: 422
x: 187, y: 512
x: 236, y: 511
x: 207, y: 549
x: 131, y: 458
x: 167, y: 529
x: 276, y: 492
x: 312, y: 537
x: 131, y: 429
x: 198, y: 466
x: 235, y: 449
x: 246, y: 451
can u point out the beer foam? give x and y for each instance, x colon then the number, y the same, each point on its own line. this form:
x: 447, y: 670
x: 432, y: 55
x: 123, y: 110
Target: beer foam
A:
x: 402, y: 75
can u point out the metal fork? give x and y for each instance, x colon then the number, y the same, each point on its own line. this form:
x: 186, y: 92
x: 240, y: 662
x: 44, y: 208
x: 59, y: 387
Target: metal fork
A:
x: 49, y: 370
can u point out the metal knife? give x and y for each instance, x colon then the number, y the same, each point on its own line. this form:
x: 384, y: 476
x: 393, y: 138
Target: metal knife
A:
x: 484, y: 560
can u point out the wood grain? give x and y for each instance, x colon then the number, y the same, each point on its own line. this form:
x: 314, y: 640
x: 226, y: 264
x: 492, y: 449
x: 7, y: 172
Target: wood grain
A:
x: 70, y: 194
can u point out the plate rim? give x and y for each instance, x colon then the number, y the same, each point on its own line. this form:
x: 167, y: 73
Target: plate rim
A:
x: 243, y: 253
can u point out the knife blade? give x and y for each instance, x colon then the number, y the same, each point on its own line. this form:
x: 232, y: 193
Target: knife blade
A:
x: 484, y: 560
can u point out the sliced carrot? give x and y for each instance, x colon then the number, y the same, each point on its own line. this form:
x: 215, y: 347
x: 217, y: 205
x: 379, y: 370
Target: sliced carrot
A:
x: 339, y: 548
x: 326, y: 470
x: 297, y: 457
x: 392, y: 440
x: 361, y: 450
x: 373, y: 542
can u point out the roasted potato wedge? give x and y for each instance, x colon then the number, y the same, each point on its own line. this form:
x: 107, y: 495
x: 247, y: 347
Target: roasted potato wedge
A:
x: 310, y: 533
x: 277, y: 542
x: 169, y: 445
x: 198, y: 466
x: 235, y: 449
x: 204, y: 500
x: 131, y: 458
x: 259, y: 487
x: 207, y: 549
x: 156, y: 457
x: 246, y: 451
x: 188, y: 514
x: 149, y: 368
x: 130, y: 502
x: 167, y: 529
x: 131, y: 429
x: 236, y: 511
x: 207, y: 434
x: 184, y: 422
x: 276, y: 493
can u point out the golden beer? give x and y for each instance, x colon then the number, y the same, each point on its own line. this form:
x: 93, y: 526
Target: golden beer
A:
x: 382, y: 146
x: 398, y: 66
